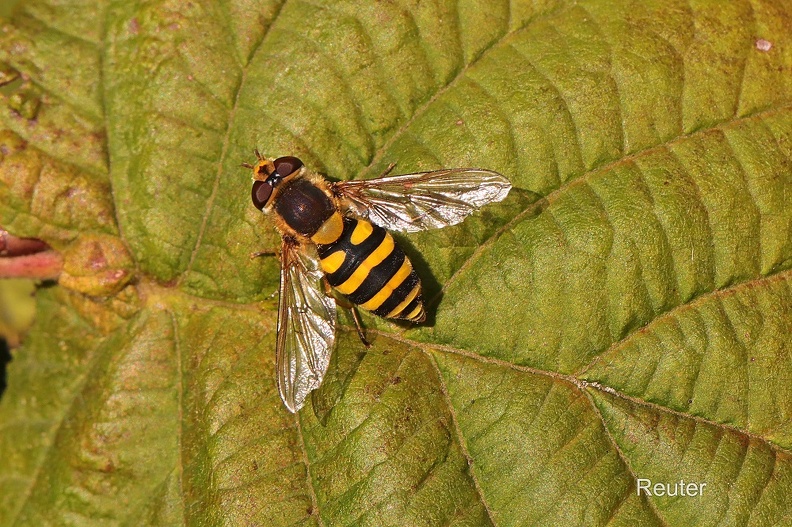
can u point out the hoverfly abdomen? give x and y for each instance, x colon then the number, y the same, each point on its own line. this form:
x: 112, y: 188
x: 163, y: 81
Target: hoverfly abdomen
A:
x: 366, y: 265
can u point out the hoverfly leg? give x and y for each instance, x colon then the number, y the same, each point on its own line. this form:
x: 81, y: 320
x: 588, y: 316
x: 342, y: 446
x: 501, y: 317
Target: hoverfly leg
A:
x: 343, y: 302
x: 359, y: 327
x: 387, y: 170
x: 259, y: 254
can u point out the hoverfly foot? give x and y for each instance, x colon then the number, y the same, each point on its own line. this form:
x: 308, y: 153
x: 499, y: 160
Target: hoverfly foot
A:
x: 365, y: 342
x: 359, y: 327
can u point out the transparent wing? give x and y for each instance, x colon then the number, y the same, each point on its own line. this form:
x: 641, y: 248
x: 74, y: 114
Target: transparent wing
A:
x: 428, y: 200
x: 306, y: 325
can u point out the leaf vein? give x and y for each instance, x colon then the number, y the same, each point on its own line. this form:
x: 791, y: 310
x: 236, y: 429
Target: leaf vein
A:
x: 220, y: 162
x: 458, y: 432
x: 59, y: 423
x: 622, y: 456
x: 420, y: 110
x: 570, y: 184
x: 308, y: 478
x: 782, y: 275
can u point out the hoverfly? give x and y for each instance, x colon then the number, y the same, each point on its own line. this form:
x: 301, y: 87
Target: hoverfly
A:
x: 336, y: 234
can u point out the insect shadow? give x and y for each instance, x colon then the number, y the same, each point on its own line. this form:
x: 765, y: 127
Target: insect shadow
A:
x: 431, y: 290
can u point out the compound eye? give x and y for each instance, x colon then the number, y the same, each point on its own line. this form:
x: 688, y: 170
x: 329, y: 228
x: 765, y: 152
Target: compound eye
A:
x: 287, y: 165
x: 261, y: 193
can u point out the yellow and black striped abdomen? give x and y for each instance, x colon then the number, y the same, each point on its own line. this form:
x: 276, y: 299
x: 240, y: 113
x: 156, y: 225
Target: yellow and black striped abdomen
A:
x: 364, y: 263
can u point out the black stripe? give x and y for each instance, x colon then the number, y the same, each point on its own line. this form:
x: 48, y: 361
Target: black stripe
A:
x: 399, y: 294
x: 417, y: 301
x: 354, y: 254
x: 378, y: 276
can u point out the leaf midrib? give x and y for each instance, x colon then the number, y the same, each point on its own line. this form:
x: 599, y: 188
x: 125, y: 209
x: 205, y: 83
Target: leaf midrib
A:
x: 778, y: 276
x: 581, y: 385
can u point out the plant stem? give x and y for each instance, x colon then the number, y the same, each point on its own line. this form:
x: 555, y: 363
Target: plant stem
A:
x: 44, y: 265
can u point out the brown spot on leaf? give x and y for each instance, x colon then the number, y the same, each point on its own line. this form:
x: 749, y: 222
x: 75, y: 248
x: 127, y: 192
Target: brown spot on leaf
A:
x: 97, y: 259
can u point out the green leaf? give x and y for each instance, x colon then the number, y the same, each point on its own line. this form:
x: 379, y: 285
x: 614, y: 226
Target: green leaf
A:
x: 624, y: 315
x: 18, y: 309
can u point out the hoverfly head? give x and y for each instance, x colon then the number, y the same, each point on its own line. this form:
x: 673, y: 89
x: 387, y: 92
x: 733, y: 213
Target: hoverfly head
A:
x: 268, y: 174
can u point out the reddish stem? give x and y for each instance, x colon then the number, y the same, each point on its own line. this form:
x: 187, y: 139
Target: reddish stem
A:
x: 10, y: 245
x: 45, y: 265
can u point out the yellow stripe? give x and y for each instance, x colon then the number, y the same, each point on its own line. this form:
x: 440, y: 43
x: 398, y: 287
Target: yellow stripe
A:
x: 362, y: 231
x: 331, y: 264
x: 330, y: 230
x: 398, y: 309
x: 360, y: 274
x: 395, y: 281
x: 415, y: 312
